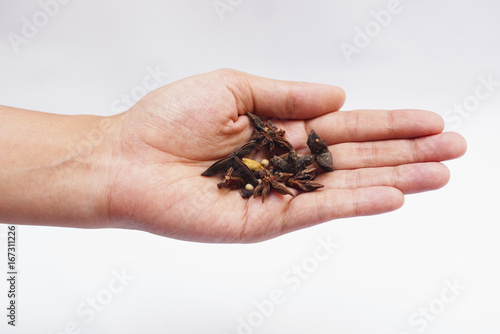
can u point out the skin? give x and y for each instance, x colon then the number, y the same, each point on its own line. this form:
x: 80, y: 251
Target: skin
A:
x: 141, y: 169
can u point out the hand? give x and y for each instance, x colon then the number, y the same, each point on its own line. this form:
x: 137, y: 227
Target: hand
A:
x: 173, y: 134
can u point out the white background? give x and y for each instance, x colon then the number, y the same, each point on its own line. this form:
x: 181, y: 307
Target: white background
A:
x: 430, y: 56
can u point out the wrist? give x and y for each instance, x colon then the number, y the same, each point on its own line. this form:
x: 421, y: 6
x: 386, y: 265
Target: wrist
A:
x: 91, y: 162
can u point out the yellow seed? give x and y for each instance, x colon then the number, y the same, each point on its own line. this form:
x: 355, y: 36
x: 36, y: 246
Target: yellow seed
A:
x: 252, y: 164
x: 249, y: 187
x: 265, y: 163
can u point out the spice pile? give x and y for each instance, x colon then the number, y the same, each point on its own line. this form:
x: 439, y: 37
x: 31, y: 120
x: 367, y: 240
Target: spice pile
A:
x: 280, y: 171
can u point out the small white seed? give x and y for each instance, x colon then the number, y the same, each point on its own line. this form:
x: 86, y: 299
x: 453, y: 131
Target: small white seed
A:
x: 249, y: 187
x: 265, y: 163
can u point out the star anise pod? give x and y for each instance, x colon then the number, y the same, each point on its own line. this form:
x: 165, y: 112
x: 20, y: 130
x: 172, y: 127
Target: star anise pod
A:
x: 303, y: 180
x: 306, y: 185
x: 269, y: 181
x: 291, y: 162
x: 319, y: 148
x: 269, y: 135
x: 232, y: 161
x: 247, y: 148
x: 231, y: 181
x: 287, y: 170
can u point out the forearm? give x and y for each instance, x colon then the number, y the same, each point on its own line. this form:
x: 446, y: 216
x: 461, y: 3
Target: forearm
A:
x: 54, y: 169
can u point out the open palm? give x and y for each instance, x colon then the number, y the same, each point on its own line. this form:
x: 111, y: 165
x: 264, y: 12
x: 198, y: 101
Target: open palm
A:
x: 173, y: 134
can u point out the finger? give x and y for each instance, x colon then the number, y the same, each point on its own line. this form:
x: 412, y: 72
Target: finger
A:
x: 440, y: 147
x: 368, y: 125
x: 282, y: 99
x: 313, y: 208
x: 408, y: 179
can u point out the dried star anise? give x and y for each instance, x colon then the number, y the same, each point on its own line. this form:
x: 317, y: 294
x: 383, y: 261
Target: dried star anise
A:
x: 319, y: 148
x: 303, y: 180
x: 269, y: 135
x: 269, y: 181
x: 287, y: 170
x: 232, y: 161
x: 291, y: 162
x: 230, y: 181
x: 247, y: 148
